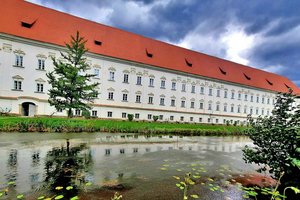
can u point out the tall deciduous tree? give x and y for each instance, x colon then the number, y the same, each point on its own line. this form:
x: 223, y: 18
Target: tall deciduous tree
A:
x: 71, y: 84
x: 277, y: 142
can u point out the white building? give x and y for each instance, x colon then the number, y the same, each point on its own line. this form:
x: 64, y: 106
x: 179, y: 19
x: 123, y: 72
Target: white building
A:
x: 137, y: 75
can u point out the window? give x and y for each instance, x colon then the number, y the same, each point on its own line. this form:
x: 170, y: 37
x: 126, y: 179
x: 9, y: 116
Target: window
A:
x: 246, y: 97
x: 192, y: 104
x: 41, y: 64
x: 135, y: 150
x: 40, y: 87
x: 107, y: 152
x: 182, y: 104
x: 263, y: 100
x: 109, y: 114
x: 162, y: 101
x: 239, y: 109
x: 218, y: 107
x: 191, y: 119
x: 257, y: 99
x: 218, y: 93
x: 239, y: 96
x: 172, y: 102
x: 201, y: 105
x: 150, y: 100
x: 256, y: 112
x: 122, y: 151
x: 232, y: 95
x: 138, y: 99
x: 225, y: 94
x: 251, y: 111
x: 59, y: 110
x: 268, y: 101
x: 171, y: 117
x: 208, y: 120
x: 77, y: 112
x: 209, y: 106
x: 262, y: 112
x: 200, y: 119
x: 173, y: 85
x: 217, y: 121
x: 94, y: 113
x: 110, y: 96
x: 225, y: 108
x: 125, y: 97
x: 268, y: 112
x: 161, y: 117
x: 125, y: 78
x: 139, y: 80
x: 183, y: 87
x: 181, y: 118
x: 163, y: 84
x: 111, y: 76
x: 151, y: 82
x: 232, y: 108
x: 193, y: 89
x: 19, y: 61
x: 137, y: 115
x: 149, y: 116
x: 201, y: 90
x: 245, y: 110
x: 251, y: 98
x: 124, y: 115
x: 17, y: 85
x: 210, y: 92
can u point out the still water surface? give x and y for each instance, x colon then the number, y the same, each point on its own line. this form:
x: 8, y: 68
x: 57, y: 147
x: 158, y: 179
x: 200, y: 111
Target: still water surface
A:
x: 138, y: 166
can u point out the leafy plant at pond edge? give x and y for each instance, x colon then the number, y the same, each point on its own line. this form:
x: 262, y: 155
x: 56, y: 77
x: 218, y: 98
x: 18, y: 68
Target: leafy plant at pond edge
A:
x: 276, y: 141
x: 185, y: 184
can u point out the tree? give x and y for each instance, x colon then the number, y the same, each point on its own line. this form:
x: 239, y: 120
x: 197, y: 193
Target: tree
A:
x: 71, y: 84
x: 276, y: 140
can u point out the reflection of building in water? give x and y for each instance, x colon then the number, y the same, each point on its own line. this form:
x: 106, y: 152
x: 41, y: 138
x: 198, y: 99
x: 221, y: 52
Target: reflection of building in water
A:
x: 12, y: 164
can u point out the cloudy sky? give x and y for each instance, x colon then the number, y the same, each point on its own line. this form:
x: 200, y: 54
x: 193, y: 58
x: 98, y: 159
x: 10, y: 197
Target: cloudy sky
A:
x: 262, y: 34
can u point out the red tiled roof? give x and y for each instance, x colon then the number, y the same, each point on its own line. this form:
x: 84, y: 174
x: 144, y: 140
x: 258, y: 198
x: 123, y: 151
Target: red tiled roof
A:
x: 50, y: 26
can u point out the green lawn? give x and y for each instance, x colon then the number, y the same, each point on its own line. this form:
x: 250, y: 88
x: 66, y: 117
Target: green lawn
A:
x: 46, y: 124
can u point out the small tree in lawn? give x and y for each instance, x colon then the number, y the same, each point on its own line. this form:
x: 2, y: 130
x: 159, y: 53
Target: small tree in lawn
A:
x: 277, y: 141
x: 71, y: 85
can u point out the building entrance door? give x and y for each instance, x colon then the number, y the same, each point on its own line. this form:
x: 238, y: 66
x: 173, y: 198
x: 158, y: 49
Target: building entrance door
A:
x: 28, y: 109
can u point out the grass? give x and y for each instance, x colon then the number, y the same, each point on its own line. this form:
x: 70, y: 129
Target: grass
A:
x: 46, y: 124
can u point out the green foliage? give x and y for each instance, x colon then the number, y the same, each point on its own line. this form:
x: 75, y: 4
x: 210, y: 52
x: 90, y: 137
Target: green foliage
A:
x: 70, y: 82
x: 130, y: 117
x: 155, y: 118
x: 86, y: 114
x: 276, y: 142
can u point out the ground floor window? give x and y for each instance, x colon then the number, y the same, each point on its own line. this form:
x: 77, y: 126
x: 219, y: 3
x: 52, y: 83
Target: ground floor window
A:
x: 171, y: 118
x: 191, y: 119
x: 94, y: 113
x: 200, y: 119
x: 77, y: 112
x: 149, y: 116
x: 181, y: 118
x: 124, y: 115
x: 109, y: 114
x: 161, y: 117
x: 137, y: 115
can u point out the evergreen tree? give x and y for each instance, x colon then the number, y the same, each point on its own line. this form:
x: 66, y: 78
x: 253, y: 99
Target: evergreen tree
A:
x: 71, y: 84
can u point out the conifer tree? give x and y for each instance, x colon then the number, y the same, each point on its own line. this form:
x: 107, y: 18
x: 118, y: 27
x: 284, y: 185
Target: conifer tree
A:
x: 71, y: 84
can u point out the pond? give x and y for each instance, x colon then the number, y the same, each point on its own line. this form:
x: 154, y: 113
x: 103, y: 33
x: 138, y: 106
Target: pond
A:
x: 97, y: 165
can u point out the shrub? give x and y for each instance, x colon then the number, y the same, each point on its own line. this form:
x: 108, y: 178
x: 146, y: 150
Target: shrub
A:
x: 86, y: 114
x: 155, y: 118
x: 130, y: 117
x: 276, y: 141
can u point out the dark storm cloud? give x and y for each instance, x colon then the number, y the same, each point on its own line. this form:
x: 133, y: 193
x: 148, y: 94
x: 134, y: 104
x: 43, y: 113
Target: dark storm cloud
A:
x: 263, y: 34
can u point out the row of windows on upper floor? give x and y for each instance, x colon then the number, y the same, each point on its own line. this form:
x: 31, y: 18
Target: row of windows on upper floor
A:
x: 192, y: 104
x: 18, y: 86
x: 41, y: 66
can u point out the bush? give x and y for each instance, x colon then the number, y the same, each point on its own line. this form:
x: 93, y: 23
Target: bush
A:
x: 155, y: 118
x: 86, y: 114
x: 276, y: 141
x: 130, y: 117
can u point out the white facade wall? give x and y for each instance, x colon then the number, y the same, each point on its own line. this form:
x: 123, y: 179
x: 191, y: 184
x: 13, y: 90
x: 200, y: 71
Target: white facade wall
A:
x: 29, y: 75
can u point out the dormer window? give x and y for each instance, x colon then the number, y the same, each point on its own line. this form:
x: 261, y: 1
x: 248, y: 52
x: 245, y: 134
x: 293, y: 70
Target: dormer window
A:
x: 247, y: 77
x: 97, y: 42
x: 222, y: 71
x: 149, y: 54
x: 269, y: 82
x: 188, y: 63
x: 27, y: 22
